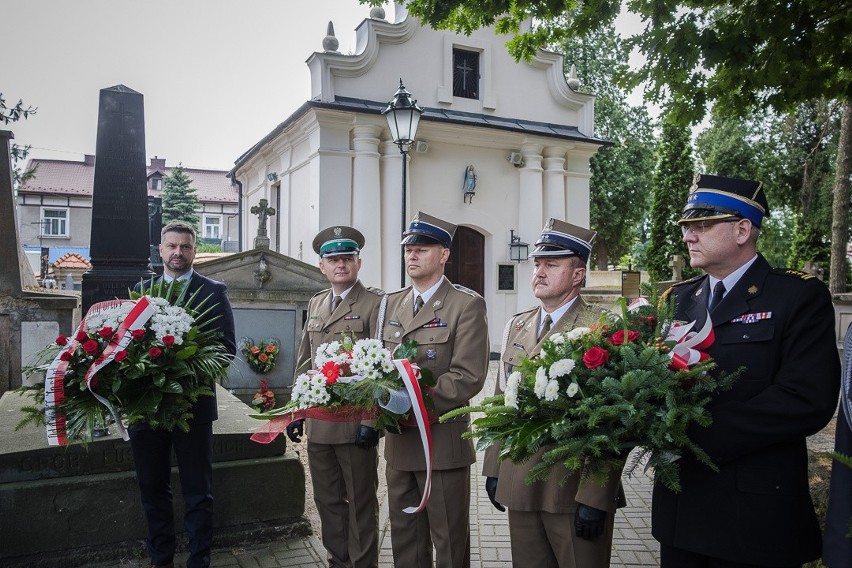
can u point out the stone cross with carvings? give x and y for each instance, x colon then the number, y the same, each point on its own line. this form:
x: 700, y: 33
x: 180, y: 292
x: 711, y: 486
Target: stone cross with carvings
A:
x: 262, y: 210
x: 677, y: 267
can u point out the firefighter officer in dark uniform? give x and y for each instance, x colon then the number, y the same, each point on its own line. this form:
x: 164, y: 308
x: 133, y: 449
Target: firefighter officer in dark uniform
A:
x: 778, y: 325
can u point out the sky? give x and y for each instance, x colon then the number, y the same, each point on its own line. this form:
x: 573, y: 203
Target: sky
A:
x: 216, y: 75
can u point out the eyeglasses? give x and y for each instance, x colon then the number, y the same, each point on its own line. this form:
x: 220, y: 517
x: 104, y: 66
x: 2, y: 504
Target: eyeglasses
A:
x: 701, y: 227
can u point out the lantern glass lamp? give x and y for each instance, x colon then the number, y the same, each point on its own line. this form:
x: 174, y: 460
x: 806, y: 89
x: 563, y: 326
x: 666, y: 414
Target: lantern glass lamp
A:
x: 403, y: 116
x: 518, y: 250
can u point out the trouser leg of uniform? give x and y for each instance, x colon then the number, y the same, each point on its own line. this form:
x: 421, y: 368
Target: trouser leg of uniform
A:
x: 330, y: 498
x: 360, y: 475
x: 152, y: 451
x: 530, y: 544
x: 194, y: 452
x: 449, y: 515
x: 410, y: 538
x: 592, y: 553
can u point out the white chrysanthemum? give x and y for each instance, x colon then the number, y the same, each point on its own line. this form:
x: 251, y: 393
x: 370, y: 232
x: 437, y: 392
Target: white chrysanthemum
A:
x: 561, y: 368
x: 540, y: 382
x: 557, y: 339
x: 510, y: 398
x: 572, y: 390
x: 171, y: 320
x: 577, y: 333
x: 551, y: 392
x: 514, y: 380
x: 301, y: 386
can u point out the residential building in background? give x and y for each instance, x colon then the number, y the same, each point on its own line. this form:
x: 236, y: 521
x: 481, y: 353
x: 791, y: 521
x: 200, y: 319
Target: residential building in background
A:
x: 55, y: 206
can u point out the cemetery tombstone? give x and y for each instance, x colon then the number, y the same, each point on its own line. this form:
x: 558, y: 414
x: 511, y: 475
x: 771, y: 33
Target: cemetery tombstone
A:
x: 120, y: 252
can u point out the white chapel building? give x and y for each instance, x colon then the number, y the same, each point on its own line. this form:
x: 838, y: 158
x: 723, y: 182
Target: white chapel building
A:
x: 523, y: 127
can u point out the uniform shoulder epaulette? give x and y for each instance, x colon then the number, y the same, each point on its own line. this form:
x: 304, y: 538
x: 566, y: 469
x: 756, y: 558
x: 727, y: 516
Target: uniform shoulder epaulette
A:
x: 665, y: 295
x: 405, y: 290
x: 526, y: 311
x: 793, y: 273
x: 466, y: 290
x: 376, y: 291
x: 320, y: 293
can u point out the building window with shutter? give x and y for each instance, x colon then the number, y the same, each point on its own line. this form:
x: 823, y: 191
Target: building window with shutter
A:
x: 465, y: 74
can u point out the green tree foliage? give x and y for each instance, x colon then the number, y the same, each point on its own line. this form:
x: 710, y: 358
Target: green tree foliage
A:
x: 18, y: 153
x: 672, y: 180
x: 180, y: 202
x: 793, y: 156
x: 620, y: 188
x: 738, y: 54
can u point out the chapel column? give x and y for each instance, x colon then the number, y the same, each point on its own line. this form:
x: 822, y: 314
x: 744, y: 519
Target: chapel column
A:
x: 366, y: 200
x: 530, y: 216
x: 554, y: 182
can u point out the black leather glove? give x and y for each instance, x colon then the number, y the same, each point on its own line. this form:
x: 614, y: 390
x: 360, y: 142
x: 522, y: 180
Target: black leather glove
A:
x: 367, y: 437
x: 295, y: 430
x: 589, y: 522
x: 491, y: 490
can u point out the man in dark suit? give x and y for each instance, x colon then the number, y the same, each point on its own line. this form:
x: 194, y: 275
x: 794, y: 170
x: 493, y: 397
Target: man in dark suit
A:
x: 449, y: 324
x: 565, y: 521
x: 152, y: 448
x: 778, y: 325
x: 342, y: 456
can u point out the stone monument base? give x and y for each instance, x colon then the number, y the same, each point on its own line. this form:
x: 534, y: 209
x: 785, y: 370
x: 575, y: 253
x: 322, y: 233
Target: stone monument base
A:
x: 66, y: 507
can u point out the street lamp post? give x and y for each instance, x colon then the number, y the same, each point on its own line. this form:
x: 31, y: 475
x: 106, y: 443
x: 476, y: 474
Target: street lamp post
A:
x: 403, y: 116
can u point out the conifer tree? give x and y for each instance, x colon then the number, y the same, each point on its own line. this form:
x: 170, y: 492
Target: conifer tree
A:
x: 180, y: 201
x: 672, y: 179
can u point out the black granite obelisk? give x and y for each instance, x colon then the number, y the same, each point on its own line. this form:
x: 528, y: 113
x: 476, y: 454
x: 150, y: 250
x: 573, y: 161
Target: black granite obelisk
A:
x: 120, y: 235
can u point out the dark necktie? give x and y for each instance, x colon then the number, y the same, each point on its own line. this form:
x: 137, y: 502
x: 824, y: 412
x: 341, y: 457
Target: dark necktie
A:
x: 335, y: 302
x: 418, y: 303
x: 545, y: 326
x: 718, y: 292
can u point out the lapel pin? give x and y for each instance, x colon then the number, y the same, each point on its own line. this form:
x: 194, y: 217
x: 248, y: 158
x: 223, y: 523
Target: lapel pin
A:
x: 752, y: 289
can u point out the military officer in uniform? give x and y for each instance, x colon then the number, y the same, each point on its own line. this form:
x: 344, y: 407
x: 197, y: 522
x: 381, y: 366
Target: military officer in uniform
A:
x: 449, y: 324
x: 558, y: 522
x: 778, y: 325
x: 342, y: 456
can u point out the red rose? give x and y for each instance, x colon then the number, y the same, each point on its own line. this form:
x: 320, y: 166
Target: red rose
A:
x: 62, y: 340
x: 271, y: 348
x: 105, y: 332
x: 66, y: 356
x: 154, y: 352
x: 81, y: 336
x: 168, y: 340
x: 331, y: 370
x: 617, y: 338
x: 137, y: 334
x: 262, y: 358
x: 93, y: 384
x: 120, y: 356
x: 90, y: 346
x: 595, y: 357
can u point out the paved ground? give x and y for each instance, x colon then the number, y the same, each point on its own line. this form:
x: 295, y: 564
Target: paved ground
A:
x: 633, y: 544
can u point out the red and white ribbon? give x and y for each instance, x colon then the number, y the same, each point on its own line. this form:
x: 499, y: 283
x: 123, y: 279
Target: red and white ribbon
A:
x: 409, y: 379
x: 269, y: 431
x: 689, y: 345
x: 54, y: 381
x: 136, y: 319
